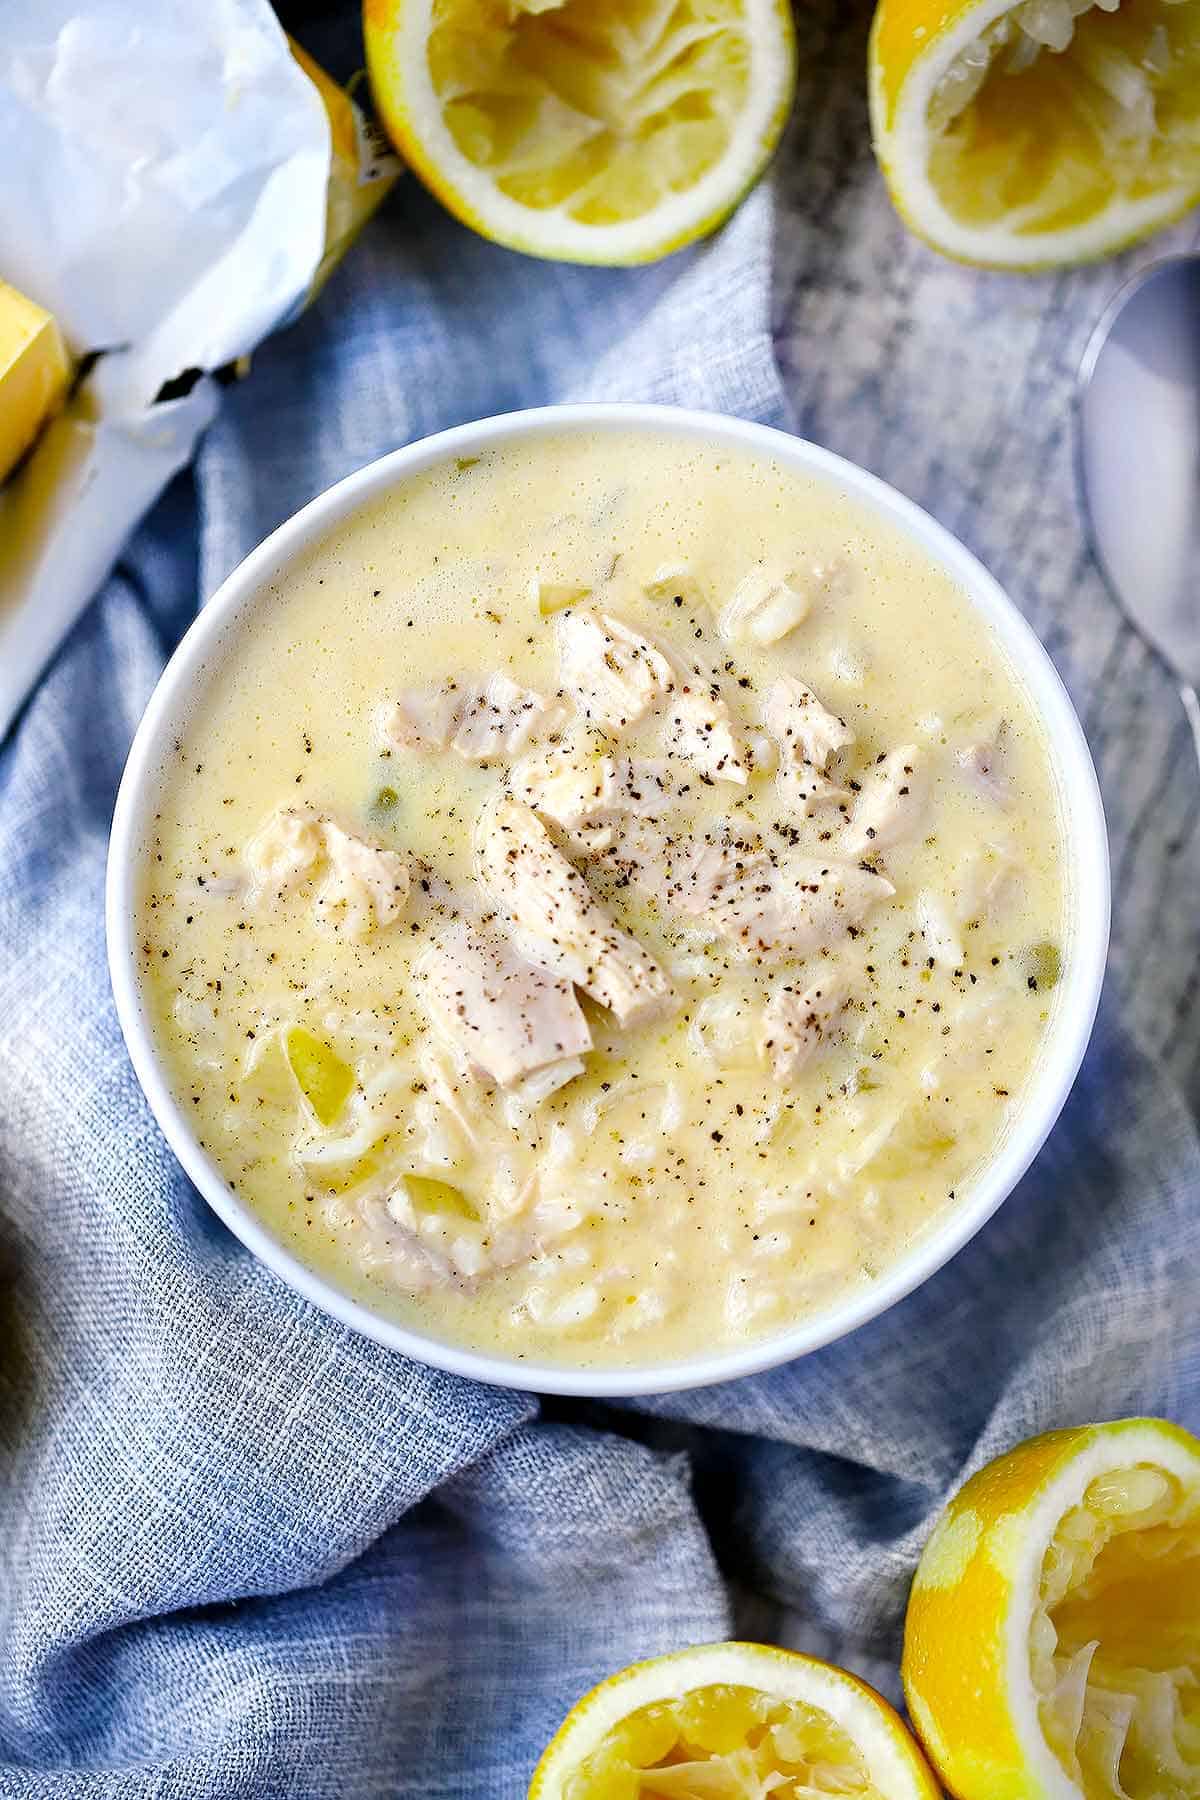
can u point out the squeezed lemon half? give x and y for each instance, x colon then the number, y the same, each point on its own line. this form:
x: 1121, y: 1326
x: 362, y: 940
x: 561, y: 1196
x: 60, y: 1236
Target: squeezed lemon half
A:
x: 599, y: 131
x: 732, y: 1722
x: 1040, y: 133
x: 1052, y: 1645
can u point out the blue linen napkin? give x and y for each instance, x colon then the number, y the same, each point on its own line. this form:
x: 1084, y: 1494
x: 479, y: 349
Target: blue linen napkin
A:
x: 247, y: 1553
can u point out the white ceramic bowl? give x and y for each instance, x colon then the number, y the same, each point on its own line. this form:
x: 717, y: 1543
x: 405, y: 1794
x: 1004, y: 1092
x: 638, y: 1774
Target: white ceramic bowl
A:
x: 197, y: 660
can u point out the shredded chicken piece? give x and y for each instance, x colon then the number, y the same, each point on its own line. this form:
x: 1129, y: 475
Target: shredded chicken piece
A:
x: 578, y: 790
x: 644, y: 785
x: 777, y: 908
x: 393, y: 1247
x: 615, y: 674
x: 479, y: 720
x: 984, y: 881
x: 559, y: 920
x: 284, y: 851
x: 508, y: 1016
x: 631, y: 851
x: 805, y: 731
x: 365, y: 887
x: 587, y: 795
x: 984, y: 766
x: 891, y: 803
x: 503, y: 720
x: 423, y: 1246
x: 807, y: 790
x: 701, y: 729
x: 765, y: 606
x: 764, y: 751
x: 796, y: 1021
x: 543, y: 1082
x: 423, y: 719
x: 942, y: 939
x: 708, y: 870
x: 445, y: 1083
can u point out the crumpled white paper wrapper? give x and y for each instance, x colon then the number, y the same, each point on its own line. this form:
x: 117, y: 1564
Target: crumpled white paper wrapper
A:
x: 163, y: 194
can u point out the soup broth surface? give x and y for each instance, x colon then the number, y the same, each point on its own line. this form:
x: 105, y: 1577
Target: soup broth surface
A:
x: 607, y: 901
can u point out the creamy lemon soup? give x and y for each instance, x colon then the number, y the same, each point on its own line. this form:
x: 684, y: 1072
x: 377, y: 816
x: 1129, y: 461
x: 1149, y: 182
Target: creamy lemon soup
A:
x: 607, y: 900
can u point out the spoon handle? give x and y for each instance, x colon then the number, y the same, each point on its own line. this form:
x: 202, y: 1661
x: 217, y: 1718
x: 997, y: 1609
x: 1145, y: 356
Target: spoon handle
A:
x: 1191, y: 706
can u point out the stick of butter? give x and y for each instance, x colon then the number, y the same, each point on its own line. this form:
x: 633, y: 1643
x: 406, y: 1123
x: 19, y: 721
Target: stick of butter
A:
x: 35, y: 373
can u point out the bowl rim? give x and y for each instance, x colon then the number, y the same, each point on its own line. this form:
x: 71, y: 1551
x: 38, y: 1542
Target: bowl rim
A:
x: 1088, y: 872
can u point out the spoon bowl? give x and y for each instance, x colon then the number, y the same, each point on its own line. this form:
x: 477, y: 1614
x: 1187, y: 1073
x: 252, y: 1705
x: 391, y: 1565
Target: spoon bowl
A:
x: 1139, y: 461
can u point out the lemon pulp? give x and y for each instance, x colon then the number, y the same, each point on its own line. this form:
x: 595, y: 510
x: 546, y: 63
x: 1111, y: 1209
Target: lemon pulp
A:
x: 725, y: 1741
x: 1063, y: 111
x: 1115, y: 1640
x: 601, y: 112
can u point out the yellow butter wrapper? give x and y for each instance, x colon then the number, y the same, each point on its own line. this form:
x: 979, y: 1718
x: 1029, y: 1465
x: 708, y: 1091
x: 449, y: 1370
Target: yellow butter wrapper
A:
x: 364, y: 167
x: 35, y: 373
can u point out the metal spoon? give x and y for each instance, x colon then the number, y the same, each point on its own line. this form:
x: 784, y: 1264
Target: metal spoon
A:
x: 1139, y: 461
